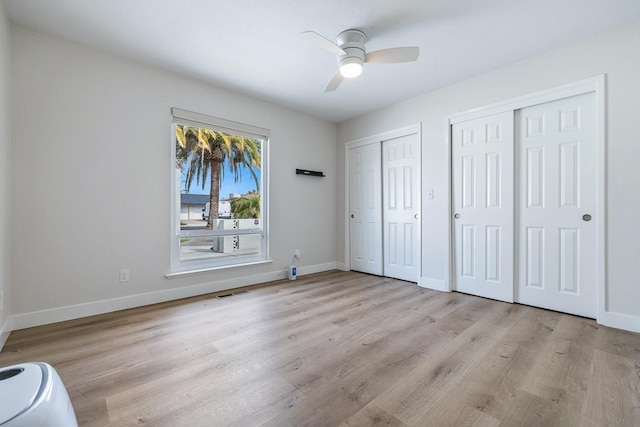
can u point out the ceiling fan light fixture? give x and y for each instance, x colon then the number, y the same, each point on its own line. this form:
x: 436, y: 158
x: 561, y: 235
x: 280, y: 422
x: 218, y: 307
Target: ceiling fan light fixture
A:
x: 350, y: 67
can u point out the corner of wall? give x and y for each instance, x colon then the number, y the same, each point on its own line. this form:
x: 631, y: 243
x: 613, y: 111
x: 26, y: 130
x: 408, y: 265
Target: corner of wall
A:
x: 5, y: 177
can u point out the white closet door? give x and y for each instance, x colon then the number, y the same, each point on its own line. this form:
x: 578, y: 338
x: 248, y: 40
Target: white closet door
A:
x: 557, y: 199
x: 401, y: 207
x: 365, y: 212
x: 483, y: 176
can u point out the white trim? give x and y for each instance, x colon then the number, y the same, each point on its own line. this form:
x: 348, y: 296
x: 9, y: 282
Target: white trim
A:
x: 559, y: 92
x: 435, y: 284
x: 60, y: 314
x: 374, y: 139
x: 177, y: 274
x: 5, y: 330
x: 198, y: 266
x: 595, y: 84
x: 347, y: 204
x: 448, y: 231
x: 619, y: 321
x: 192, y: 118
x: 601, y: 224
x: 383, y: 136
x: 341, y: 266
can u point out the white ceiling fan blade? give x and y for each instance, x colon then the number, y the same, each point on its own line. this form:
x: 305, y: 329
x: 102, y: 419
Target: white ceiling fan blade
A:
x: 393, y: 55
x: 321, y: 42
x: 335, y: 82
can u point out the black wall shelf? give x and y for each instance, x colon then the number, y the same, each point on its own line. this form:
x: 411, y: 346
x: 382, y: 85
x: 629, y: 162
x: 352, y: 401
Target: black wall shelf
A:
x: 309, y: 173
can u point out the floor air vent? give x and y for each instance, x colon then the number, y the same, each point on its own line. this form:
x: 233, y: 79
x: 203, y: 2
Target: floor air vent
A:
x: 224, y: 296
x: 231, y: 294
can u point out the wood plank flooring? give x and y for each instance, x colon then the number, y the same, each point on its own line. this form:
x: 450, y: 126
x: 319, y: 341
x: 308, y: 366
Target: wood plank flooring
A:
x: 340, y: 349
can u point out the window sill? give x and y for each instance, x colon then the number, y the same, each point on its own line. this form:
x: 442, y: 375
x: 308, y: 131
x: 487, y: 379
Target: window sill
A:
x: 177, y: 274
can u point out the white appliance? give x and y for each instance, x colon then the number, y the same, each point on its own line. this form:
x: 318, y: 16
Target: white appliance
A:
x: 32, y: 394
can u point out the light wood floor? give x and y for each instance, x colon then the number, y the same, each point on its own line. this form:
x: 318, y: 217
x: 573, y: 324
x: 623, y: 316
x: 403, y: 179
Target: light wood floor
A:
x: 340, y: 349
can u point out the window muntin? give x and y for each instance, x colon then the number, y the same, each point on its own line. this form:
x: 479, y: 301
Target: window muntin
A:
x: 235, y: 233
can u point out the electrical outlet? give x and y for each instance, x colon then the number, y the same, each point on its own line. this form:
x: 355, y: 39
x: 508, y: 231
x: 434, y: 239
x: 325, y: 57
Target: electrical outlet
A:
x: 124, y: 275
x: 297, y: 253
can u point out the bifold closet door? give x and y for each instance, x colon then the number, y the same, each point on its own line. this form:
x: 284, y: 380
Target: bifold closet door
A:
x: 365, y: 209
x: 557, y: 205
x: 483, y: 203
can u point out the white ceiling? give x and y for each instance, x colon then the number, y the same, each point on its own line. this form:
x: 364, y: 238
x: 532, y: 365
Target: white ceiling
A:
x: 254, y: 46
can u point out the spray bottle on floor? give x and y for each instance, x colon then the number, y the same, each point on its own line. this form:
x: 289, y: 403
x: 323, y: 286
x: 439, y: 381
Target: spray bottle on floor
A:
x: 292, y: 269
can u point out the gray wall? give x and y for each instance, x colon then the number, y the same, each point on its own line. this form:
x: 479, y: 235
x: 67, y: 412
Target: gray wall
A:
x: 91, y: 132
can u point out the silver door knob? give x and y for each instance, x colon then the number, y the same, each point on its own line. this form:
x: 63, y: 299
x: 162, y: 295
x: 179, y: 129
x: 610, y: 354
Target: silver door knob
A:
x: 351, y: 215
x: 457, y: 216
x: 415, y: 216
x: 586, y: 217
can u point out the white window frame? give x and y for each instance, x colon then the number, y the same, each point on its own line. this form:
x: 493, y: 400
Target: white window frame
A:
x: 178, y: 268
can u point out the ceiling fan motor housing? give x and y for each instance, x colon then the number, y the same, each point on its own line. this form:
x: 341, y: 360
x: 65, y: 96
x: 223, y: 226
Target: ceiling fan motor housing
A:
x: 352, y: 42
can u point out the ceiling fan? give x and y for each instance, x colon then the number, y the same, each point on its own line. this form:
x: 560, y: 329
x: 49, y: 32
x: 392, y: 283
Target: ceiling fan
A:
x: 352, y: 55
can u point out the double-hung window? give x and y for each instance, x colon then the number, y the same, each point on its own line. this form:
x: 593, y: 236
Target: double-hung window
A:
x: 219, y: 193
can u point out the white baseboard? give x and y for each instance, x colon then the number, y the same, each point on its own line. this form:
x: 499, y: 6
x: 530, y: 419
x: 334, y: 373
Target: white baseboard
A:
x: 619, y: 321
x: 60, y: 314
x: 318, y: 268
x: 341, y: 266
x: 435, y: 284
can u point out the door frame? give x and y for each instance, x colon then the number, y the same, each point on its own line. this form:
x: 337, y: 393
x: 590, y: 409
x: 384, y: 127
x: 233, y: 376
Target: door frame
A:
x: 376, y: 139
x: 596, y: 85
